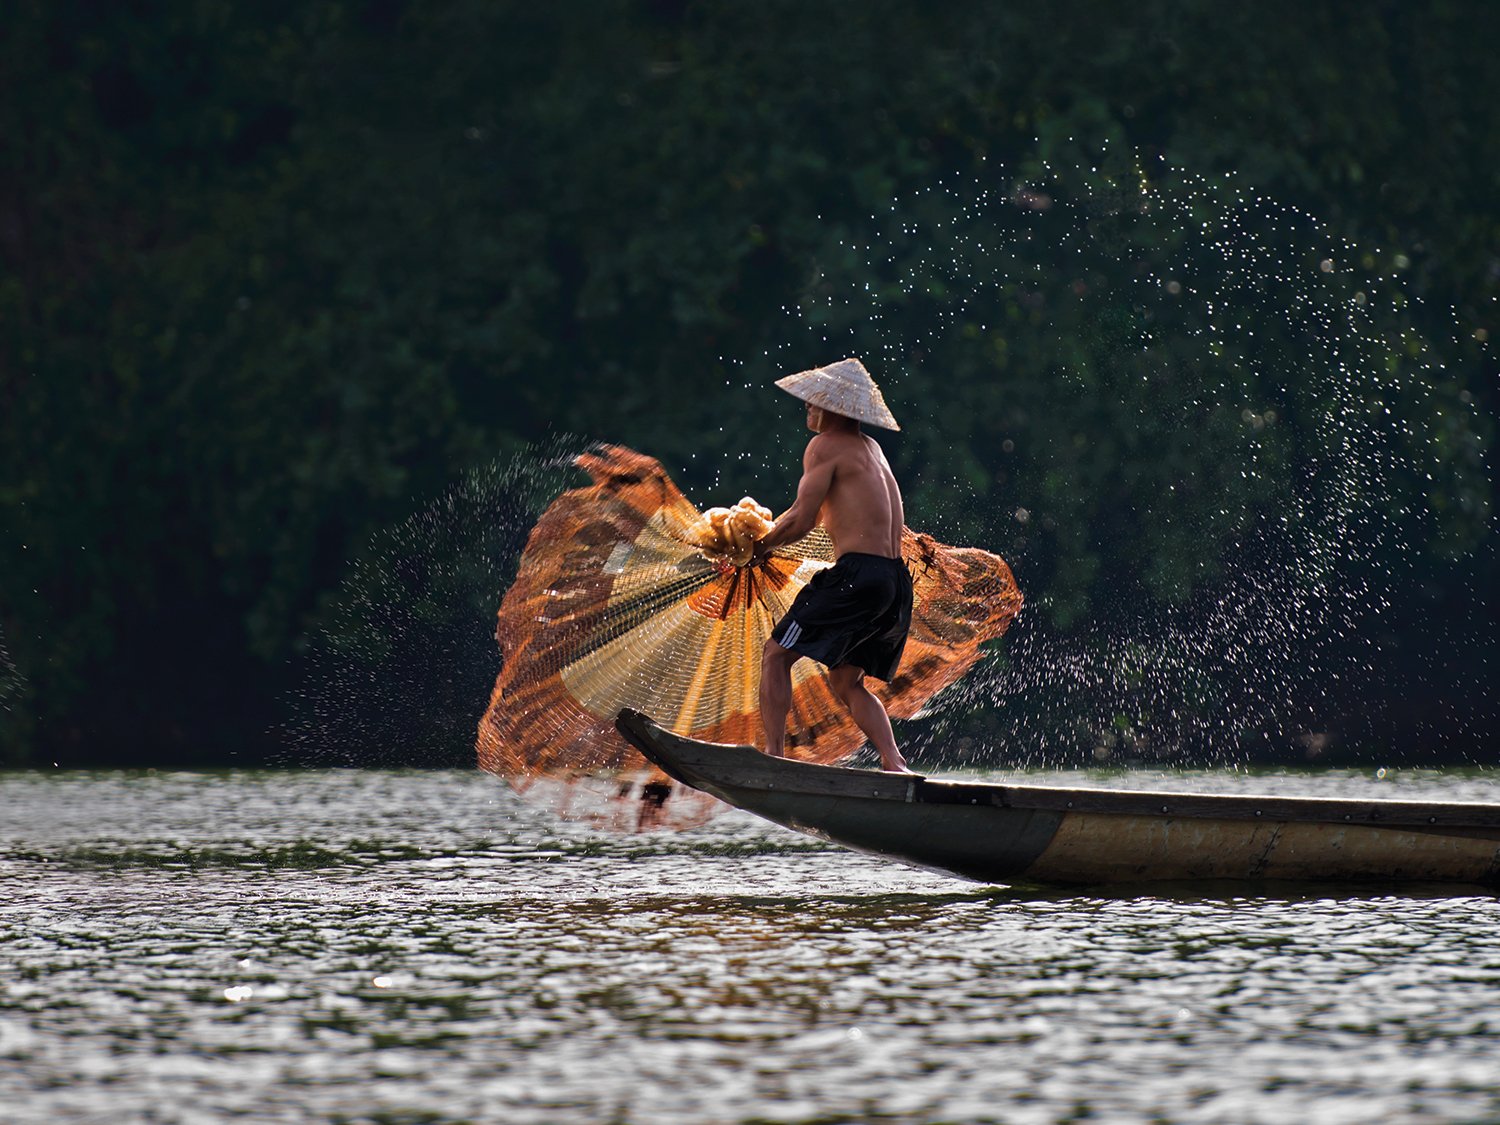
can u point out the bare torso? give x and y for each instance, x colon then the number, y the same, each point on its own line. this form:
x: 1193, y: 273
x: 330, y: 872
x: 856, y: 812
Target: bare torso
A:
x: 847, y: 487
x: 862, y: 511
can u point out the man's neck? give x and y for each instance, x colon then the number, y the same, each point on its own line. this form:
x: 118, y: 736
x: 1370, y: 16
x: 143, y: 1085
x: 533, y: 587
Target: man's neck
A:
x: 838, y: 424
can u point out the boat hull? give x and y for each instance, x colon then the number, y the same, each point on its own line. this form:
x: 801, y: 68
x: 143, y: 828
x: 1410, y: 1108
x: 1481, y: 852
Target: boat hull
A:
x: 1043, y: 835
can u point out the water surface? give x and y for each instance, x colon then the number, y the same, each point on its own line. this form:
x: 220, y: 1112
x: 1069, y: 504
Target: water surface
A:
x: 425, y: 947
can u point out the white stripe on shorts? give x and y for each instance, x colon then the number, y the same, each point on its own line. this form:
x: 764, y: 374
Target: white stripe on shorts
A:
x: 789, y: 638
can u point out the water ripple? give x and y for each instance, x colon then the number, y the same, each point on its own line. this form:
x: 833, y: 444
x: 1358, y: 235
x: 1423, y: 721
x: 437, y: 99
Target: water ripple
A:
x: 423, y: 947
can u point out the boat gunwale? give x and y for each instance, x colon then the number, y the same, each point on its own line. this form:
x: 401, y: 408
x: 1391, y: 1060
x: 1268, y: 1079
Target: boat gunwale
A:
x: 788, y: 776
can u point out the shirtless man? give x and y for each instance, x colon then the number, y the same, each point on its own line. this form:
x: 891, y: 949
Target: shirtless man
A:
x: 854, y: 616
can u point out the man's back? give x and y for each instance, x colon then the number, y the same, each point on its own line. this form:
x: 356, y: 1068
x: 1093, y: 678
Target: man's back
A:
x: 862, y: 511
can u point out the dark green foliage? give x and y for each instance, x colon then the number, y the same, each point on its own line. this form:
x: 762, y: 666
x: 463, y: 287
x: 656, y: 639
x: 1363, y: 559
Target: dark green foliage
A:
x: 276, y: 274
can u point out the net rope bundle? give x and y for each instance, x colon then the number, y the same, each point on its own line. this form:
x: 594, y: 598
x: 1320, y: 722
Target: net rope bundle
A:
x: 628, y: 596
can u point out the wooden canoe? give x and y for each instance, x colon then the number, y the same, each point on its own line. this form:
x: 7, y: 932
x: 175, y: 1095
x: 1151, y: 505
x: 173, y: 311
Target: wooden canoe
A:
x: 1046, y: 835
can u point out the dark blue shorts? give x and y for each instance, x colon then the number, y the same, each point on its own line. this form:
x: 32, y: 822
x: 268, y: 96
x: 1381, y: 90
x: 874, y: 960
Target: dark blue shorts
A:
x: 858, y: 611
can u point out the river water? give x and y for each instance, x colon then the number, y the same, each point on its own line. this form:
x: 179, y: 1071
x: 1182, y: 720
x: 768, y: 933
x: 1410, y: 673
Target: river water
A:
x: 425, y: 947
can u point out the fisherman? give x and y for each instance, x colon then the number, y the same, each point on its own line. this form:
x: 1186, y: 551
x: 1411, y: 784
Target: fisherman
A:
x: 853, y: 617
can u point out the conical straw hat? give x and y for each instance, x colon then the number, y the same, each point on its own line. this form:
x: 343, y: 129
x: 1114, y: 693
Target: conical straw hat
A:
x: 843, y: 388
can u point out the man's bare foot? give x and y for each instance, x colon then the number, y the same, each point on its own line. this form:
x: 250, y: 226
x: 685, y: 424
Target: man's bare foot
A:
x: 896, y: 765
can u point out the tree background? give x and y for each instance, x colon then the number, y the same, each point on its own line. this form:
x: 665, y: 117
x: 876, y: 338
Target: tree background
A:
x: 276, y: 276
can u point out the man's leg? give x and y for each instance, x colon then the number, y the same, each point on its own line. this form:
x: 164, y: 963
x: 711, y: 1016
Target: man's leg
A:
x: 848, y: 683
x: 775, y: 694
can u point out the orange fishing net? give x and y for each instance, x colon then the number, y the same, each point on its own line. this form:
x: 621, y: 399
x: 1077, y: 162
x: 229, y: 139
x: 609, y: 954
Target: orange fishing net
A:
x: 627, y: 597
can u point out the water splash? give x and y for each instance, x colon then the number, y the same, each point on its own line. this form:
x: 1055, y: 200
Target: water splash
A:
x: 12, y: 690
x: 1277, y: 398
x: 400, y: 675
x: 11, y: 680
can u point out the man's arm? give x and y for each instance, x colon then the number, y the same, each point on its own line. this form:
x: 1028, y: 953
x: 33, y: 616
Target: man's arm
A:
x: 812, y: 490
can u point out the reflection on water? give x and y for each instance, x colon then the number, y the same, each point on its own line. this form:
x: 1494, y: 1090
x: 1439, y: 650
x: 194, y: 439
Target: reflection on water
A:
x: 425, y: 947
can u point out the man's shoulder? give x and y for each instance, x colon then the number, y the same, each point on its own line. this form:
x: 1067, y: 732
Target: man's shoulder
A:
x: 834, y: 443
x: 818, y: 449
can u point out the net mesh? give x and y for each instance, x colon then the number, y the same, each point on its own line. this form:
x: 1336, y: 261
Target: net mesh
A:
x: 616, y: 604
